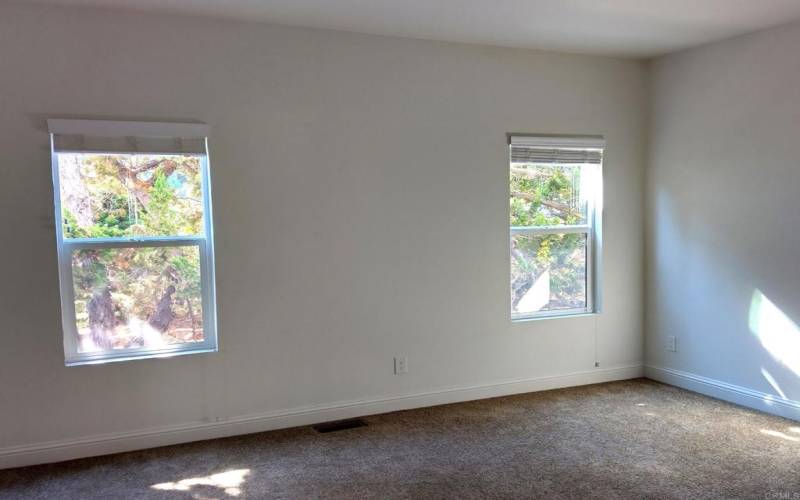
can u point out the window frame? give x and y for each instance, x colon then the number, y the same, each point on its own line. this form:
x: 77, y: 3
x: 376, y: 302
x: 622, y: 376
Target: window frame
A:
x: 66, y: 246
x: 592, y: 229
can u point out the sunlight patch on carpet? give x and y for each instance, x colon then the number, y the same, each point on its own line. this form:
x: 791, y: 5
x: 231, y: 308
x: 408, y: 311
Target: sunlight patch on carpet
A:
x: 228, y: 481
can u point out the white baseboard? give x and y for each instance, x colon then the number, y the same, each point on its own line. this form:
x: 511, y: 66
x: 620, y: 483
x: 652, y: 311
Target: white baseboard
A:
x: 750, y: 398
x: 67, y: 449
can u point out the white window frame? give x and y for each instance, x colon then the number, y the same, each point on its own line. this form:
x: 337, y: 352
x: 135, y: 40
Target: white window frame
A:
x: 592, y: 229
x: 66, y: 246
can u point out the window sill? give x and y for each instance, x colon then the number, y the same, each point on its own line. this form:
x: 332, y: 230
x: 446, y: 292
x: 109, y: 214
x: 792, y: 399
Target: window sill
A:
x: 561, y: 315
x: 132, y: 356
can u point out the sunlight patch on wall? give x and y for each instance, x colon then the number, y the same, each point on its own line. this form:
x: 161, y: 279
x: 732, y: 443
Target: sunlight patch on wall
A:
x: 229, y: 481
x: 778, y: 334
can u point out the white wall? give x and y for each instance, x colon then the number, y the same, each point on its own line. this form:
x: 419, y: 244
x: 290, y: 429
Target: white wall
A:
x: 723, y: 195
x: 360, y: 195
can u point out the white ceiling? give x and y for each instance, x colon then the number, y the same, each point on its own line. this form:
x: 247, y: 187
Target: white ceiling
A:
x: 636, y: 28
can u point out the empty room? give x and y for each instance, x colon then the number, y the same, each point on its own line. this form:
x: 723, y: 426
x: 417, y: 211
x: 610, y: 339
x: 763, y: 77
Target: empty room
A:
x: 385, y: 249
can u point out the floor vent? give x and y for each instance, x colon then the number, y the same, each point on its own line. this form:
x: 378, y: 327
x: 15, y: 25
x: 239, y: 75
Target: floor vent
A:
x: 339, y: 425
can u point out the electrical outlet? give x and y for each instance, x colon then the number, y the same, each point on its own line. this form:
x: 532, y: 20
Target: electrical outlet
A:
x: 672, y: 343
x: 400, y: 365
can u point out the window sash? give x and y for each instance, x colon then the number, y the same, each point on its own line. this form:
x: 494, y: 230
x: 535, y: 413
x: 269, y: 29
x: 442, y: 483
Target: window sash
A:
x: 66, y: 246
x: 148, y: 241
x: 69, y: 316
x: 589, y: 308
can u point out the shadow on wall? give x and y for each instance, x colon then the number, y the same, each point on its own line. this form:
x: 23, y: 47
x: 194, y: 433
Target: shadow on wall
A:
x: 778, y: 335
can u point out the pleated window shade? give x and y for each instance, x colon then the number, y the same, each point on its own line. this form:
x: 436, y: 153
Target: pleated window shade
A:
x: 542, y: 149
x: 100, y: 136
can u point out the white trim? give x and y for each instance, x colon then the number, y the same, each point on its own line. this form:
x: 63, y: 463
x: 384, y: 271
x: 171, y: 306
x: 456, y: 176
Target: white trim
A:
x: 552, y: 314
x: 209, y: 289
x: 134, y: 242
x: 558, y: 314
x: 131, y: 355
x: 106, y: 128
x: 558, y: 142
x: 728, y: 392
x: 595, y: 279
x: 67, y: 449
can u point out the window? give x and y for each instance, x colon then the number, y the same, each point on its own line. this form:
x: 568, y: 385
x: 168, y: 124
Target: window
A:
x: 555, y: 190
x: 134, y: 235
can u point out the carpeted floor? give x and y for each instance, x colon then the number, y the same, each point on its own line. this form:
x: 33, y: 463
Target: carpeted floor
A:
x: 632, y: 439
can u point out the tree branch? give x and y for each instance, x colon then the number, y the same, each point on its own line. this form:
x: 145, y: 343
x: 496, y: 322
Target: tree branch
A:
x: 560, y: 207
x: 527, y: 172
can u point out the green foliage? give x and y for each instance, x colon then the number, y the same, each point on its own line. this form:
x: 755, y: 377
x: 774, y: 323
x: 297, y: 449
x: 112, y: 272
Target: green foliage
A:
x: 90, y: 270
x: 547, y: 195
x: 137, y: 279
x: 113, y: 220
x: 160, y: 217
x: 188, y: 276
x: 71, y: 227
x: 122, y: 196
x: 131, y: 195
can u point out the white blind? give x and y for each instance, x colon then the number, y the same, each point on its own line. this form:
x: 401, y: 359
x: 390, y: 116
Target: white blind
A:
x: 127, y: 137
x: 545, y: 149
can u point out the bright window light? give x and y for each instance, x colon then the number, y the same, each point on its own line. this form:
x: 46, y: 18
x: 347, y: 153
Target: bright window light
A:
x: 135, y: 249
x: 554, y: 207
x: 776, y: 331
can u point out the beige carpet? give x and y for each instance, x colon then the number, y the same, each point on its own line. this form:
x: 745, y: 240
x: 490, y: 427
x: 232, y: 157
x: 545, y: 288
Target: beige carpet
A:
x: 633, y: 439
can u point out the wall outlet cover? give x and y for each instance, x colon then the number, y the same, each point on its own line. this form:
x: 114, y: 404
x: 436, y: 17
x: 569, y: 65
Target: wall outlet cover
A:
x: 400, y: 365
x: 672, y: 343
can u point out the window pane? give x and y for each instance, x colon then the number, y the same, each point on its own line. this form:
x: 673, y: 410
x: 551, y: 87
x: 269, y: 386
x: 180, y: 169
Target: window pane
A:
x: 128, y: 195
x: 547, y: 195
x: 548, y: 272
x: 137, y: 297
